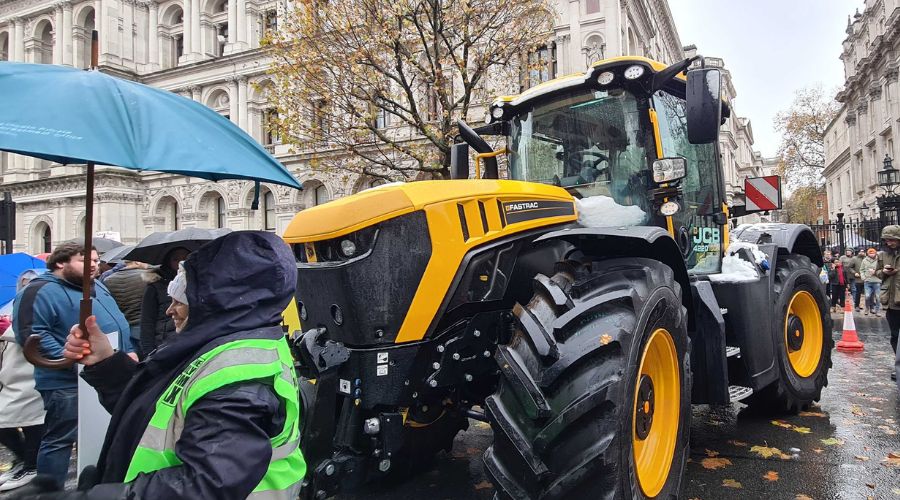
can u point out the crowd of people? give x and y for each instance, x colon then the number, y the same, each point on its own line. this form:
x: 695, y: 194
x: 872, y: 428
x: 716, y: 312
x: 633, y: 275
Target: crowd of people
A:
x: 868, y: 277
x: 39, y: 421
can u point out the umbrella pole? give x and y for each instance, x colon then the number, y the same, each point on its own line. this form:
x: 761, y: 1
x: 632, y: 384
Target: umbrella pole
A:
x: 86, y: 309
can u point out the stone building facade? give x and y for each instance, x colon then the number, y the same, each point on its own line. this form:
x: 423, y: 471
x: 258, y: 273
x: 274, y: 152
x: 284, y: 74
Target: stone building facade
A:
x: 209, y: 51
x: 858, y: 139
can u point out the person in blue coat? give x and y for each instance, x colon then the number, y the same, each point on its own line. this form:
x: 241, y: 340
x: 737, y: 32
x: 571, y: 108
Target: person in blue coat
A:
x: 48, y: 307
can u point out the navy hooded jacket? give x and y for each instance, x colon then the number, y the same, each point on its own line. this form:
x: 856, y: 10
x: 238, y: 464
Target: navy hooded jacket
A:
x: 237, y: 288
x: 49, y: 307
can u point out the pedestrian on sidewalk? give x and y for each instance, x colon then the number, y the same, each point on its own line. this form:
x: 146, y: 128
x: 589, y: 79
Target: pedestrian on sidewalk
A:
x: 46, y: 307
x: 888, y: 265
x: 848, y: 260
x: 823, y: 273
x: 22, y: 415
x: 127, y: 285
x: 872, y: 283
x: 222, y: 394
x: 839, y: 277
x: 859, y: 291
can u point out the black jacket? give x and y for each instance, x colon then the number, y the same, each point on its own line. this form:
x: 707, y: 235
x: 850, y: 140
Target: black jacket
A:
x: 127, y: 287
x: 156, y: 326
x: 238, y: 286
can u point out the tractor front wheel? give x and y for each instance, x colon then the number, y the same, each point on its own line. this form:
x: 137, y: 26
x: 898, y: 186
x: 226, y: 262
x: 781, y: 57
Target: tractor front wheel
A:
x: 594, y: 394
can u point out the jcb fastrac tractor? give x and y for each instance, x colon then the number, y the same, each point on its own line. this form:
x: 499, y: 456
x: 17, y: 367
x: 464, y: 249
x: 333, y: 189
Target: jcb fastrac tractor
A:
x: 582, y: 341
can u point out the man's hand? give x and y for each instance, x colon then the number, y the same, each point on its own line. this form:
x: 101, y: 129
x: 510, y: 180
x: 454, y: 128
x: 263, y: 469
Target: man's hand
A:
x: 888, y: 271
x: 88, y: 349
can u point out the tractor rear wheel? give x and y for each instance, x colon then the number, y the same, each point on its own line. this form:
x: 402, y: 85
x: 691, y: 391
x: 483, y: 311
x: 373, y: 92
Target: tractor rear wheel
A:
x: 803, y: 338
x: 594, y: 394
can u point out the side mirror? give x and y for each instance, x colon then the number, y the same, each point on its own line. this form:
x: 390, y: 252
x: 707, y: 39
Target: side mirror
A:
x: 704, y: 105
x: 669, y: 169
x: 459, y: 161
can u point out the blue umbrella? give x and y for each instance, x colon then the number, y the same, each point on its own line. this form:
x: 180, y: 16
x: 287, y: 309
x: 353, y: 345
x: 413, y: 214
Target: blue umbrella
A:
x: 67, y: 116
x: 71, y: 116
x: 11, y: 266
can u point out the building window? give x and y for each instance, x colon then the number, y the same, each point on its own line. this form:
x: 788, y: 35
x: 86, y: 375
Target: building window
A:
x: 320, y: 119
x: 220, y: 212
x: 270, y: 22
x: 819, y: 204
x: 541, y: 66
x: 179, y: 46
x: 382, y: 118
x: 269, y: 211
x: 432, y: 104
x: 270, y: 127
x: 47, y: 240
x: 321, y: 195
x: 221, y: 39
x: 591, y: 6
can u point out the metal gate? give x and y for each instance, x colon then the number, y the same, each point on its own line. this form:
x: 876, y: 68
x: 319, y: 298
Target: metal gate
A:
x: 854, y: 233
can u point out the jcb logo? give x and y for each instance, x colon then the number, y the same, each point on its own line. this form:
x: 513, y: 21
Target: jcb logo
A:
x: 706, y: 235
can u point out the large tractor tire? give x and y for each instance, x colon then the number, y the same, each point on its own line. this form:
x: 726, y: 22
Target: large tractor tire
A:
x: 594, y: 395
x: 803, y: 338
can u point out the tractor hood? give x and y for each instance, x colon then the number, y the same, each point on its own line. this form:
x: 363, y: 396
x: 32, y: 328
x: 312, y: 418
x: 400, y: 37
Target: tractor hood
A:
x: 349, y: 214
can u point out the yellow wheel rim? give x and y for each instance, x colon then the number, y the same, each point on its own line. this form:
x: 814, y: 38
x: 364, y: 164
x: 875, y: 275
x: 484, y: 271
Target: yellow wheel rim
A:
x: 657, y: 403
x: 803, y: 334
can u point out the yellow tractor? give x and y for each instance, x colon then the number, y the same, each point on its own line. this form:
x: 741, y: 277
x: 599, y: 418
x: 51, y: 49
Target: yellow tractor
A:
x: 579, y: 306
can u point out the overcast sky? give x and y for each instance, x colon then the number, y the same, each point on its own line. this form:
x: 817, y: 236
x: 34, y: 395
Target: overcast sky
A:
x: 771, y: 48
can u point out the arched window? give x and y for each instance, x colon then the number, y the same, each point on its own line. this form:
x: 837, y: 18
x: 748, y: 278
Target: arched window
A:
x: 269, y: 211
x: 321, y: 195
x: 220, y: 212
x: 47, y: 239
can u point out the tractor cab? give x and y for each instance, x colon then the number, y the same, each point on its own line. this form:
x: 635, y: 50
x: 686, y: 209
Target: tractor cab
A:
x: 627, y: 132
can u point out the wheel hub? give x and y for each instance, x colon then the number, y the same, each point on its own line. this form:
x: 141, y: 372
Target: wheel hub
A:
x: 794, y: 333
x: 643, y: 417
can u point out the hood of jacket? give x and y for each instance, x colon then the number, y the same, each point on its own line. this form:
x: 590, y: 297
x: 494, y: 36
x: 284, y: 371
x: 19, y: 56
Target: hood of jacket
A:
x: 239, y: 282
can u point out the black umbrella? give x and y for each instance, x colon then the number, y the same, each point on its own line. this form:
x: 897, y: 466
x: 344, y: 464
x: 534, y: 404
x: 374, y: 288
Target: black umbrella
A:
x: 102, y: 245
x: 116, y: 255
x: 153, y: 248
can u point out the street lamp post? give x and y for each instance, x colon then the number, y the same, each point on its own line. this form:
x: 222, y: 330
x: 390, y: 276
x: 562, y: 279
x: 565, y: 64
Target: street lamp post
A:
x: 889, y: 201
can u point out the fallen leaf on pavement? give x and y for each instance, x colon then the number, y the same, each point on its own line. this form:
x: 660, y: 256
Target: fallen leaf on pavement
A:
x: 801, y: 496
x: 812, y: 414
x: 605, y: 339
x: 801, y: 430
x: 483, y: 485
x: 482, y: 425
x: 896, y: 491
x: 892, y: 460
x: 861, y: 458
x: 731, y: 483
x: 771, y: 476
x: 856, y: 410
x: 870, y: 485
x: 785, y: 425
x: 738, y: 443
x: 832, y: 441
x: 715, y: 463
x: 818, y: 450
x: 711, y: 453
x: 766, y: 452
x: 782, y: 423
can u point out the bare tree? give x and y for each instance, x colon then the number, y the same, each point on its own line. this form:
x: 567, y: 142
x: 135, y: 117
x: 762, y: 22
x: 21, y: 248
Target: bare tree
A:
x: 379, y: 84
x: 802, y: 127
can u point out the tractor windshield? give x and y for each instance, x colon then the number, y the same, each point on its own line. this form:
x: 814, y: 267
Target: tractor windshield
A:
x: 590, y: 142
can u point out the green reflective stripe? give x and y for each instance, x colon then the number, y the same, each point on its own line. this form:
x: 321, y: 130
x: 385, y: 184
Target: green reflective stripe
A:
x: 146, y: 460
x: 283, y: 473
x: 269, y: 361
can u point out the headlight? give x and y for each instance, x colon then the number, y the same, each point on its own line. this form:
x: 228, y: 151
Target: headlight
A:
x: 497, y: 113
x: 634, y: 72
x: 348, y: 248
x: 669, y: 169
x: 606, y: 78
x: 669, y: 208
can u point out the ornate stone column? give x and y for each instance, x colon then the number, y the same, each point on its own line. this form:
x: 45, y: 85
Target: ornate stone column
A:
x: 195, y: 27
x: 195, y: 92
x: 67, y: 34
x: 242, y: 38
x: 232, y: 21
x: 20, y: 38
x: 153, y: 35
x: 127, y: 30
x: 57, y: 33
x: 234, y: 111
x: 188, y: 36
x: 242, y: 103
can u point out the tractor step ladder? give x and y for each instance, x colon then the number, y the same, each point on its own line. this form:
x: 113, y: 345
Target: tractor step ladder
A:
x: 731, y: 351
x: 738, y: 392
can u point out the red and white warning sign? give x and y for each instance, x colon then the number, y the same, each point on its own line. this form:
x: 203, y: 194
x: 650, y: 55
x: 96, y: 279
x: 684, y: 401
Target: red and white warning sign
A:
x: 763, y: 193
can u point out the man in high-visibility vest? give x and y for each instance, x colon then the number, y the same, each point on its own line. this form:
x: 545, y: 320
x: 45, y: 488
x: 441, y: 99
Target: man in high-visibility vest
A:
x: 214, y: 412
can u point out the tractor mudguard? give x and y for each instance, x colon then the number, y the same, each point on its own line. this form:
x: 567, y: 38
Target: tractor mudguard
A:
x: 635, y: 241
x: 792, y: 238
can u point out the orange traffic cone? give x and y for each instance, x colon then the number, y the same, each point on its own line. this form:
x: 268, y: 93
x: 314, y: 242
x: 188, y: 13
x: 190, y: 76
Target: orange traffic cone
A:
x: 849, y: 341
